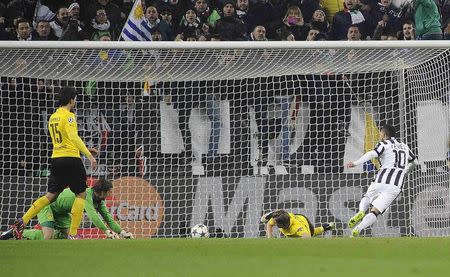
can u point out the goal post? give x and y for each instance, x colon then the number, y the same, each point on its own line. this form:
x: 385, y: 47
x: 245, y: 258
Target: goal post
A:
x: 219, y: 133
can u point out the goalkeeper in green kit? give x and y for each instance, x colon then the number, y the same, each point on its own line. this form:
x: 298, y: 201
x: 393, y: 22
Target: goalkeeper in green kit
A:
x: 55, y: 218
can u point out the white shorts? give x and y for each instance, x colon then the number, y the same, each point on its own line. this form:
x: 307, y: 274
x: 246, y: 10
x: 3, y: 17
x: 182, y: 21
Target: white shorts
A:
x: 382, y: 195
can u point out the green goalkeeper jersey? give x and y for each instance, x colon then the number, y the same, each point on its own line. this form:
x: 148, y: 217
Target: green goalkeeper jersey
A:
x: 64, y: 202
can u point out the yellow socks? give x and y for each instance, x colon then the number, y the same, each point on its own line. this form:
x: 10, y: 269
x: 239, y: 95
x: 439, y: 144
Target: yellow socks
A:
x: 318, y: 231
x: 35, y: 208
x: 77, y: 215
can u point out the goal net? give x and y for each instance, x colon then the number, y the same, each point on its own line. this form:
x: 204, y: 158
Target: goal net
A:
x: 221, y: 133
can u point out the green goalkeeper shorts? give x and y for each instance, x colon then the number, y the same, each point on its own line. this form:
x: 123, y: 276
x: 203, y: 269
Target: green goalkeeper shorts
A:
x: 46, y: 218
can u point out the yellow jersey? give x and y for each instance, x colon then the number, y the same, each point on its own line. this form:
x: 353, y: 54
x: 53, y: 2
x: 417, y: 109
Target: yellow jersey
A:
x: 63, y: 130
x: 298, y: 226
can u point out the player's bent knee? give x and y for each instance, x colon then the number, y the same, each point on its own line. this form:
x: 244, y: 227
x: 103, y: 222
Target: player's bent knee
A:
x: 375, y: 211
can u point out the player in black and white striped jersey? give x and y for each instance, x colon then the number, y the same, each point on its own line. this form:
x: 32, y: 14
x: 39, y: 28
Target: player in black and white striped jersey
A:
x: 396, y: 160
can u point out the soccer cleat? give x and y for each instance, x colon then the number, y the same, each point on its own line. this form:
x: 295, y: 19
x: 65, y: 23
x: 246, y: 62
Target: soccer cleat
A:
x: 266, y: 217
x: 76, y: 237
x: 9, y: 234
x: 18, y: 228
x: 329, y: 226
x: 355, y: 233
x: 356, y: 219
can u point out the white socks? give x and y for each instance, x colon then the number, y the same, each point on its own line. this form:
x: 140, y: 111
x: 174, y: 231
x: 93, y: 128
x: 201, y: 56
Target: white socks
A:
x: 368, y: 220
x: 364, y: 204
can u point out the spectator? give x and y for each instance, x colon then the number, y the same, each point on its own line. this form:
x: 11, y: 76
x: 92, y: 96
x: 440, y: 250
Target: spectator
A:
x: 4, y: 34
x: 447, y: 30
x: 293, y: 21
x: 308, y: 7
x: 157, y: 35
x: 115, y: 16
x: 100, y: 25
x: 42, y: 12
x: 74, y: 14
x: 380, y: 30
x: 426, y: 18
x: 351, y: 15
x: 61, y: 22
x: 229, y: 27
x: 258, y: 34
x: 177, y: 7
x: 151, y: 14
x: 242, y: 13
x: 313, y: 32
x: 23, y: 30
x: 166, y: 16
x: 388, y: 18
x: 74, y: 11
x: 189, y: 25
x: 205, y: 32
x: 319, y: 21
x: 331, y: 7
x: 205, y: 13
x: 353, y: 33
x: 273, y: 27
x: 445, y: 11
x: 408, y: 32
x: 390, y: 37
x: 43, y: 31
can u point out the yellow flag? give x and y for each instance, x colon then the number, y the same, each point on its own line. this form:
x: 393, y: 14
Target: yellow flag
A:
x: 371, y: 137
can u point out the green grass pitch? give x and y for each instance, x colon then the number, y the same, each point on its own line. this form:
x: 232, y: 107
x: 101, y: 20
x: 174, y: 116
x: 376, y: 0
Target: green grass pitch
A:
x: 381, y: 257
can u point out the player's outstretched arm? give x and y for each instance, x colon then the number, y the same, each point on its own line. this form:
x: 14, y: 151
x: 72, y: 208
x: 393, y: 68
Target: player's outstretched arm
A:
x: 366, y: 157
x: 269, y: 230
x: 94, y: 217
x: 113, y: 225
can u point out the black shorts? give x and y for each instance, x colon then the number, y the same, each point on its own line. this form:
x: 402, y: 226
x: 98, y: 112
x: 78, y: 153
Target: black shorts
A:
x: 67, y: 172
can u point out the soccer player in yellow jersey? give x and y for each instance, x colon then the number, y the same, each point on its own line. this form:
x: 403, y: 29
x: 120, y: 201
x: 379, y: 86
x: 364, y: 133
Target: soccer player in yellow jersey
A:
x: 66, y: 167
x: 293, y: 225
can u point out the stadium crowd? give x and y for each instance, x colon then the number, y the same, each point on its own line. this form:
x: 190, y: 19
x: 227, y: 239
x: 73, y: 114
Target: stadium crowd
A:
x: 228, y: 20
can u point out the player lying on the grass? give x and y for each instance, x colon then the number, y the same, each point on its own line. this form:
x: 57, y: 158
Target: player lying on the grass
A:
x: 55, y: 219
x: 396, y: 160
x: 293, y: 225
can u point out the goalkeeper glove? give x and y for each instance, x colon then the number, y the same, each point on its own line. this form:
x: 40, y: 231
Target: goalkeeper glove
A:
x: 126, y: 235
x: 111, y: 235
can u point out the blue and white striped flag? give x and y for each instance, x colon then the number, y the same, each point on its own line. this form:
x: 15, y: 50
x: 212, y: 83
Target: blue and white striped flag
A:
x: 136, y: 28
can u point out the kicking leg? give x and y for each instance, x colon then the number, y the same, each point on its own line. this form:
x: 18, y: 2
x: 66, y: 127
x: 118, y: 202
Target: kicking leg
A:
x: 363, y: 206
x: 367, y: 221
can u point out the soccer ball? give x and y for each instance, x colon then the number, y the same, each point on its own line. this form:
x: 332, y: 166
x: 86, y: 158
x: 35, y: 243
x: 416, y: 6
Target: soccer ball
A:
x: 199, y: 231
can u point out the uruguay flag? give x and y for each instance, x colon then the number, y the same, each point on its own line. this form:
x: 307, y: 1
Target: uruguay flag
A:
x: 136, y: 27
